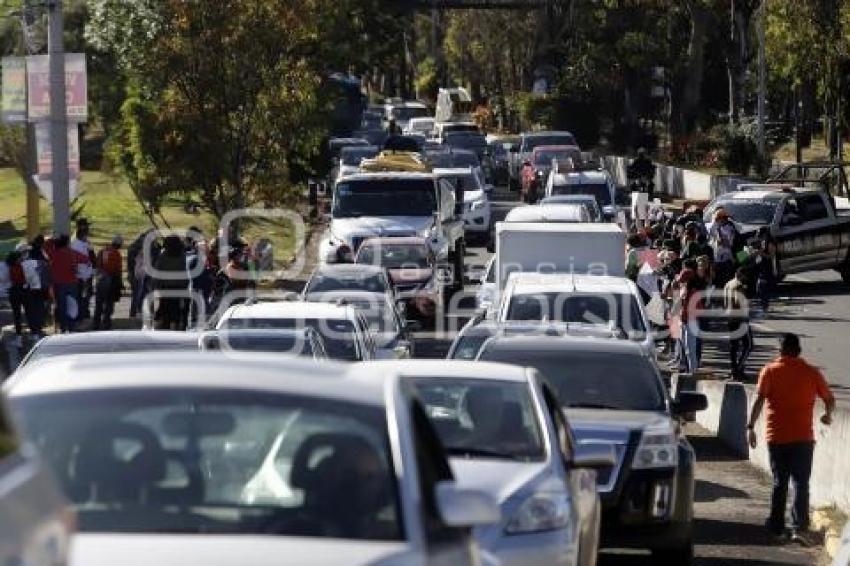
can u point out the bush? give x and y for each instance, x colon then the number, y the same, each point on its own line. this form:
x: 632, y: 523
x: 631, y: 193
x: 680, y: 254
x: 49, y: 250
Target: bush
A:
x: 740, y: 151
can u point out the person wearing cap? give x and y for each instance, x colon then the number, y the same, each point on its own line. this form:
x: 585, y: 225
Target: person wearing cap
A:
x: 85, y: 271
x: 723, y: 237
x: 789, y: 387
x: 109, y: 284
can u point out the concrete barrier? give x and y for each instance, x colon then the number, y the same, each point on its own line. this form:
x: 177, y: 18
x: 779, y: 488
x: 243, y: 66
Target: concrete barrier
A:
x: 675, y: 181
x: 729, y: 406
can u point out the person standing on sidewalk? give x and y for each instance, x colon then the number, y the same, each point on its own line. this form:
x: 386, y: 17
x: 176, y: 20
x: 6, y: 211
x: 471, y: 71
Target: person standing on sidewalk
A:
x: 109, y: 284
x: 63, y: 274
x: 85, y: 269
x: 790, y: 386
x: 738, y: 317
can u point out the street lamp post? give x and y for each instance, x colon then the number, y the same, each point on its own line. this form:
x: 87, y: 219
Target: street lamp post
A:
x: 58, y: 119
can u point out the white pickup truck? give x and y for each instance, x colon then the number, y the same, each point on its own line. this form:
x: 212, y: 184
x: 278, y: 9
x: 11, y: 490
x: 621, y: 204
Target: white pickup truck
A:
x: 386, y: 204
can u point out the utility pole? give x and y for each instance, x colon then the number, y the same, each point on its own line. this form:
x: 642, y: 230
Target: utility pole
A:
x: 762, y: 145
x: 58, y: 119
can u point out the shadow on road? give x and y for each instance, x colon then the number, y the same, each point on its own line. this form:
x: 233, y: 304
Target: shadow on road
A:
x: 707, y: 491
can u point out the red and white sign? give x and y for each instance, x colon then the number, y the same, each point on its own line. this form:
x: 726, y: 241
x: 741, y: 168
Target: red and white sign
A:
x: 76, y: 87
x: 44, y: 151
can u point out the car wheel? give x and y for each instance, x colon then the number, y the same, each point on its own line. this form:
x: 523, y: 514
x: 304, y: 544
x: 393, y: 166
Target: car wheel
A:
x: 681, y: 556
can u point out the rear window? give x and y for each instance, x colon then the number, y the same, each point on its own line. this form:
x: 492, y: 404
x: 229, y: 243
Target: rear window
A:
x: 339, y: 335
x: 619, y: 309
x: 606, y: 380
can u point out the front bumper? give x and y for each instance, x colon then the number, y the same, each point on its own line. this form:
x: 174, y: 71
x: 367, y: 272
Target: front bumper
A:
x: 650, y: 508
x: 533, y: 549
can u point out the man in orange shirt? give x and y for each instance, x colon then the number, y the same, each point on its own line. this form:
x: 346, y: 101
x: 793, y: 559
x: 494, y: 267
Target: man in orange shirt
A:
x: 109, y: 284
x: 790, y: 387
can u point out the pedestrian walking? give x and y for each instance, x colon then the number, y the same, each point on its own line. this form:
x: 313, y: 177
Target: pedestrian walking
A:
x: 172, y: 279
x: 724, y: 239
x: 37, y: 274
x: 765, y: 268
x: 738, y: 321
x: 85, y: 269
x: 109, y: 284
x: 16, y: 292
x: 63, y: 273
x: 789, y: 386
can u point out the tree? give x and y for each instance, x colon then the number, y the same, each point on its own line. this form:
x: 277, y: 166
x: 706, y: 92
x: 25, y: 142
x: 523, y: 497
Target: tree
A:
x: 220, y: 105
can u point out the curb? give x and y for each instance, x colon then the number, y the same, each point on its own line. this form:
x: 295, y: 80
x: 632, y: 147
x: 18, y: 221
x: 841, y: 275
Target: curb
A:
x: 830, y: 521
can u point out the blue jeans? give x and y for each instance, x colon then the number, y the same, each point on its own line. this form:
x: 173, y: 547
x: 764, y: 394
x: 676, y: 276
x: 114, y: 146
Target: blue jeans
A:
x: 790, y: 461
x: 693, y: 345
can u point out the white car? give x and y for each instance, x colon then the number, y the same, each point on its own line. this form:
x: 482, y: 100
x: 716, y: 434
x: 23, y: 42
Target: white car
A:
x: 36, y: 522
x: 344, y: 329
x: 403, y: 112
x: 387, y: 324
x: 588, y: 201
x: 578, y: 299
x: 549, y: 213
x: 476, y: 201
x: 594, y: 182
x: 423, y: 126
x: 504, y: 432
x: 388, y: 204
x: 199, y: 459
x: 350, y: 158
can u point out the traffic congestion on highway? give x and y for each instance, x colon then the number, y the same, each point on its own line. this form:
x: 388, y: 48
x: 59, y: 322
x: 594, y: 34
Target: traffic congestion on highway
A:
x: 307, y: 424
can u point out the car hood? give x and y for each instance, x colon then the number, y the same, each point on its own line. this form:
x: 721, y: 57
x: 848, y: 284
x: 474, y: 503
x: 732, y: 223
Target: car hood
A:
x: 503, y: 480
x: 409, y: 275
x: 587, y: 421
x: 230, y: 550
x: 381, y: 226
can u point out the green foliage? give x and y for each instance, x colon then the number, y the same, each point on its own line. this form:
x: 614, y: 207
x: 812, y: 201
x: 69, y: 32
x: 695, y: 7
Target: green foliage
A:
x: 427, y: 80
x: 215, y: 95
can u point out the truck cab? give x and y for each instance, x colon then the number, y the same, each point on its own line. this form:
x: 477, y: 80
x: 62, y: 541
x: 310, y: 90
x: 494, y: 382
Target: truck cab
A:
x: 810, y: 233
x: 396, y: 203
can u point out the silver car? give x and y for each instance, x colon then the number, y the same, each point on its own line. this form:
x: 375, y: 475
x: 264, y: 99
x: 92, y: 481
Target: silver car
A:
x: 505, y: 433
x: 199, y: 459
x: 35, y: 520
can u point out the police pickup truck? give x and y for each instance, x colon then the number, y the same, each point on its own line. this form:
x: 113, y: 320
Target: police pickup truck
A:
x: 810, y: 234
x: 397, y: 203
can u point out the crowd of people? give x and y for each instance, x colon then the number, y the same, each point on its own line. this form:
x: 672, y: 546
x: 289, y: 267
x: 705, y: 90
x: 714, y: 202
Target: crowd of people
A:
x: 62, y: 275
x: 684, y: 266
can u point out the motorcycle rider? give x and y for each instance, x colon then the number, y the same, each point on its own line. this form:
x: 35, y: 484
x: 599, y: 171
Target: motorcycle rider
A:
x: 642, y: 172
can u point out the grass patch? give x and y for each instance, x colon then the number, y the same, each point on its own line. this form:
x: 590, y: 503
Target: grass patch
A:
x: 112, y: 209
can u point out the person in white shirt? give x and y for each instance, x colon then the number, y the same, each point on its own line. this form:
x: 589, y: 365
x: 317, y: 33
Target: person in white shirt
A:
x: 85, y: 271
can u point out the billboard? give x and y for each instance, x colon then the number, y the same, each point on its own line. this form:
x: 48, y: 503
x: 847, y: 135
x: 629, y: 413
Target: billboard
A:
x: 14, y: 90
x: 76, y: 87
x: 45, y: 153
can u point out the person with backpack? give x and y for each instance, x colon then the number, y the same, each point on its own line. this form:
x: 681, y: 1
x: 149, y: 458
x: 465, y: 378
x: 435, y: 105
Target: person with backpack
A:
x: 109, y: 284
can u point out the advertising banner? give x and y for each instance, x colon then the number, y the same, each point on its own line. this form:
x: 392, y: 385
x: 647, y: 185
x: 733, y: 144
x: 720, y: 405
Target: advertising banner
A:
x: 14, y: 90
x: 76, y: 87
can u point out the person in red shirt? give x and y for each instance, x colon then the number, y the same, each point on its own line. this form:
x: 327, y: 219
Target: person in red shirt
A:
x: 63, y: 273
x: 790, y: 386
x: 108, y: 287
x: 17, y: 292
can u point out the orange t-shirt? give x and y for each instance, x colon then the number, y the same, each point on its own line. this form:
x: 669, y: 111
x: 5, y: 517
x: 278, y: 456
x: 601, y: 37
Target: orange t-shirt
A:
x: 791, y: 386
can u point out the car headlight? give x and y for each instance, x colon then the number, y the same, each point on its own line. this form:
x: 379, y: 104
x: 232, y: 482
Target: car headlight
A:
x: 658, y: 448
x: 540, y: 512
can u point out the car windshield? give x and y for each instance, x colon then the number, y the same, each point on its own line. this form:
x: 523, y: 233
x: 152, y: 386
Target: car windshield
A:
x: 352, y: 156
x: 469, y: 344
x: 385, y: 197
x: 600, y: 191
x: 379, y: 319
x: 591, y: 207
x: 469, y: 182
x: 544, y: 158
x: 48, y: 350
x: 498, y: 150
x: 294, y: 344
x: 464, y: 159
x: 451, y: 128
x: 406, y: 113
x: 339, y: 334
x: 621, y: 309
x: 191, y: 461
x: 534, y: 141
x: 591, y: 379
x: 466, y: 140
x: 323, y: 283
x: 395, y: 256
x: 745, y: 211
x: 477, y: 418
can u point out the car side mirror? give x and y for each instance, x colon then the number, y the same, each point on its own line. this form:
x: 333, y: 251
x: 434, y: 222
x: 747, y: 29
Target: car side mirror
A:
x: 594, y: 456
x: 461, y: 507
x: 688, y: 402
